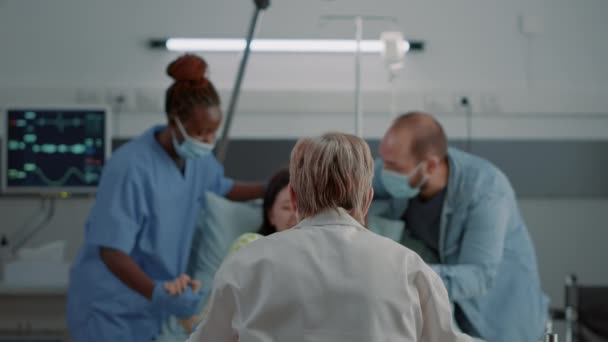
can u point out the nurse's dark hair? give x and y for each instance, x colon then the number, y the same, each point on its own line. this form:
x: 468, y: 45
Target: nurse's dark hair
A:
x: 190, y: 88
x: 429, y: 138
x: 278, y: 182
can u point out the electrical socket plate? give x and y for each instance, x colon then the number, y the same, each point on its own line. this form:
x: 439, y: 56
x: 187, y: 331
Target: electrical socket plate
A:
x: 121, y: 99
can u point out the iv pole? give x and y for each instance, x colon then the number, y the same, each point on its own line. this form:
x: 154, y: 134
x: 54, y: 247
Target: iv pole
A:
x: 358, y: 19
x: 358, y: 99
x: 222, y: 148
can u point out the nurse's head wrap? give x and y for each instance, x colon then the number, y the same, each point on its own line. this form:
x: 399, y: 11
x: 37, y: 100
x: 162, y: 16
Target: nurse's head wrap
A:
x: 190, y: 88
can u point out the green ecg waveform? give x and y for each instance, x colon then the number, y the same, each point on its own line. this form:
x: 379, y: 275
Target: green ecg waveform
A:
x: 87, y: 178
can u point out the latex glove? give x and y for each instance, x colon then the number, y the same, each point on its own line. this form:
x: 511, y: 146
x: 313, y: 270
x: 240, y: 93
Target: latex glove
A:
x: 184, y: 305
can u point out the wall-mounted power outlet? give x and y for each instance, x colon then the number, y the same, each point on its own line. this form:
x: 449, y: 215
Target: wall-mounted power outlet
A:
x: 462, y: 103
x: 121, y: 99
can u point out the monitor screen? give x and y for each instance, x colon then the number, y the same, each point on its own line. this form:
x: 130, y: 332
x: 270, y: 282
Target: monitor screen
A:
x: 54, y: 150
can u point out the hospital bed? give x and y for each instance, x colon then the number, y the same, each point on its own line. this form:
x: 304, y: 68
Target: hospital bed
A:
x: 585, y: 312
x: 223, y: 221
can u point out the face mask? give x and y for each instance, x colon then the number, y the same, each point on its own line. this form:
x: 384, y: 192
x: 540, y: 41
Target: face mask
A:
x: 190, y: 148
x: 398, y: 185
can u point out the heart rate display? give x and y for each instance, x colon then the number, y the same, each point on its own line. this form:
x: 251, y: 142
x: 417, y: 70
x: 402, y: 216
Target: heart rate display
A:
x: 54, y: 149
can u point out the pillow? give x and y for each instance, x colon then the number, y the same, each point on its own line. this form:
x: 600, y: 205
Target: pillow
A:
x: 392, y: 229
x: 379, y: 207
x: 220, y: 224
x: 395, y: 230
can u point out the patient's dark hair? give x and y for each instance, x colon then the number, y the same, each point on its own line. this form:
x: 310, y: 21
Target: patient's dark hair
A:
x: 277, y: 183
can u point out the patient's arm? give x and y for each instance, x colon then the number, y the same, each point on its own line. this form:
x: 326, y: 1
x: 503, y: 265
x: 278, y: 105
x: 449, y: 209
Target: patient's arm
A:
x: 246, y: 191
x: 125, y: 269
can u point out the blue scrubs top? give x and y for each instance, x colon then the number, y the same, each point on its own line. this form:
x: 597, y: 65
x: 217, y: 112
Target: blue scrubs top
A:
x: 147, y: 208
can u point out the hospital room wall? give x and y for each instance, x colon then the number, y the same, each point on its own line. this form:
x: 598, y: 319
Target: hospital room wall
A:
x: 550, y: 86
x: 471, y: 44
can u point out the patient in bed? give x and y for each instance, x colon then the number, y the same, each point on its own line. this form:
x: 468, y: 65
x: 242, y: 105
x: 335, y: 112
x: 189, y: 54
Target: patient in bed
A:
x: 277, y: 211
x: 278, y: 215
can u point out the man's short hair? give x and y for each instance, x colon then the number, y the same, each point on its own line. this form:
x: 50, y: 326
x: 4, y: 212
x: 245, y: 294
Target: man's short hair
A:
x: 429, y: 138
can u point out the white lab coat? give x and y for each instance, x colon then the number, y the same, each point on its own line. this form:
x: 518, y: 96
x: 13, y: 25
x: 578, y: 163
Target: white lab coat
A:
x: 328, y: 279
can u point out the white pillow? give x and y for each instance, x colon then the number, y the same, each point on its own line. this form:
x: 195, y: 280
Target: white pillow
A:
x: 392, y: 229
x: 220, y: 224
x: 395, y: 230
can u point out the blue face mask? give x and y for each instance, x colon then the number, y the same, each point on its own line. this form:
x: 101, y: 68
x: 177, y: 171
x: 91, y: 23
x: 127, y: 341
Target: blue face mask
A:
x: 398, y: 185
x: 190, y: 148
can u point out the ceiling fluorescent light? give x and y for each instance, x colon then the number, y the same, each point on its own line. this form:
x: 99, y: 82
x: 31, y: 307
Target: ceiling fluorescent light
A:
x: 276, y: 45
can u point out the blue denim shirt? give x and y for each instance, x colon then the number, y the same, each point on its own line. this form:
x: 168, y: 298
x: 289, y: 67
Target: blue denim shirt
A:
x: 487, y: 260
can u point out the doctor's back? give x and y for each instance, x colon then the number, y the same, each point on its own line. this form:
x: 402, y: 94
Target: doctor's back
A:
x: 327, y: 279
